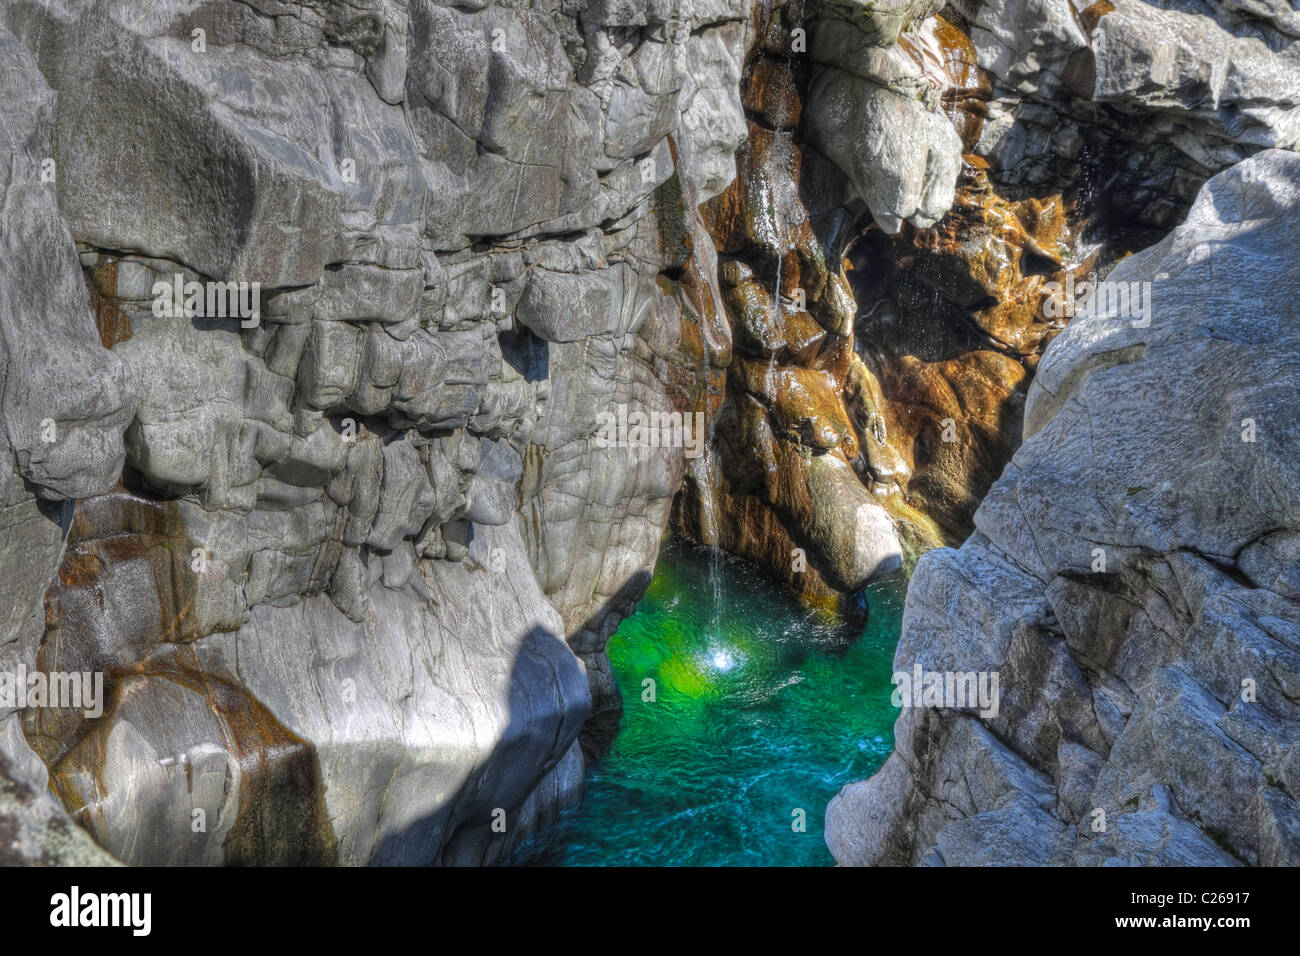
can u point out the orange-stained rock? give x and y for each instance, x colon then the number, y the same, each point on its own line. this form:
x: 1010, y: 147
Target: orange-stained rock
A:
x: 112, y: 322
x: 791, y: 313
x: 910, y: 369
x: 770, y: 93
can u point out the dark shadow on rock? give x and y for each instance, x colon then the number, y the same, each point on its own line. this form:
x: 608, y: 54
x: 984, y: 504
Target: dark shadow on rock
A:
x: 494, y: 809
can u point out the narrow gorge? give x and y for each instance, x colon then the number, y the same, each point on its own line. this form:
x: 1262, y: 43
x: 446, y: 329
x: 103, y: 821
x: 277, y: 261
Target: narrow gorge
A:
x: 555, y: 432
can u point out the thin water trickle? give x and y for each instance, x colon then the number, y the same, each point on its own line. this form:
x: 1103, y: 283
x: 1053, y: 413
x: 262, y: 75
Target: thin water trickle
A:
x: 704, y: 471
x: 714, y: 544
x: 781, y: 176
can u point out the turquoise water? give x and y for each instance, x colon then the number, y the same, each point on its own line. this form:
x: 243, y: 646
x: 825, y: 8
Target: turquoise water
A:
x: 761, y: 709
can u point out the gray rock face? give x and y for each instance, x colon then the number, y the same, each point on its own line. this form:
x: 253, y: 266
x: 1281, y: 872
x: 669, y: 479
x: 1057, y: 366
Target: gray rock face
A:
x: 62, y: 410
x: 873, y: 111
x: 1132, y: 580
x: 300, y: 430
x: 1240, y: 78
x: 1155, y: 98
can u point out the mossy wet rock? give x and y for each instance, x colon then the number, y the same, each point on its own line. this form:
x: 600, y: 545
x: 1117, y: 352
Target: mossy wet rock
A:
x: 853, y: 533
x: 958, y: 420
x: 794, y: 388
x: 772, y: 93
x: 960, y: 318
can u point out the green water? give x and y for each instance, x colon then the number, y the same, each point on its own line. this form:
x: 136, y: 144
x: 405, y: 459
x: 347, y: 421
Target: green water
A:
x: 761, y: 709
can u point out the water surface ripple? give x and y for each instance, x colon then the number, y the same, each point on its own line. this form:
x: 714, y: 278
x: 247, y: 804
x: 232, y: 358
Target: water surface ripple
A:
x: 758, y: 712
